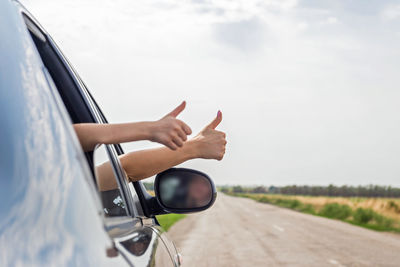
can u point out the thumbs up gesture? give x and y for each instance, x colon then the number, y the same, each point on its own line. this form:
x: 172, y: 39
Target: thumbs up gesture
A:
x: 210, y: 143
x: 170, y: 131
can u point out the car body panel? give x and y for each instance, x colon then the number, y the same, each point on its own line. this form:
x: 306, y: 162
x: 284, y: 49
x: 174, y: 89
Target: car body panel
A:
x: 48, y: 213
x: 145, y: 248
x: 51, y: 214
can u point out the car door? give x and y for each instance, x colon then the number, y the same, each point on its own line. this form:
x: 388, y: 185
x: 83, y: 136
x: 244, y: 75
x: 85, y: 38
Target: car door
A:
x: 142, y: 243
x: 48, y: 212
x: 122, y: 211
x: 141, y: 201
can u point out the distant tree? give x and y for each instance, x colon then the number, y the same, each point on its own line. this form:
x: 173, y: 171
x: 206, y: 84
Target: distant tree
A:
x: 330, y: 190
x: 237, y: 189
x: 259, y: 190
x: 344, y: 191
x: 224, y: 189
x: 273, y: 190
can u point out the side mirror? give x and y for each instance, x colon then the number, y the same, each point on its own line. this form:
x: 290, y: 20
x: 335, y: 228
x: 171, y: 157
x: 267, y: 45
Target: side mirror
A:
x: 180, y: 190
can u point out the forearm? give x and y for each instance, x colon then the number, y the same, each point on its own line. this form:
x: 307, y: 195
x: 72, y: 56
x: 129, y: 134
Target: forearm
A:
x: 142, y: 164
x: 105, y: 177
x: 146, y: 163
x: 92, y: 134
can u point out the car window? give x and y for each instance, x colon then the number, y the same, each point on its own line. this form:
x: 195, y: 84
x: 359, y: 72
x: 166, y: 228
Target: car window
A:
x: 118, y: 149
x: 113, y: 201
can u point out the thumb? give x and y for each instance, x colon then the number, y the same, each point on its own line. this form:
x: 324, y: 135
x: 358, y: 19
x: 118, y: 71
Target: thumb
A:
x: 177, y: 110
x: 216, y: 121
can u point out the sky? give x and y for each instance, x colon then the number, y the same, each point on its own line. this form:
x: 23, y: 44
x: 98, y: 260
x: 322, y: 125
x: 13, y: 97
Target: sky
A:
x: 309, y: 90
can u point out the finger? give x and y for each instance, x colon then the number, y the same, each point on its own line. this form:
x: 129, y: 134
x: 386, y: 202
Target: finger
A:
x: 182, y: 134
x: 223, y: 154
x: 171, y: 145
x: 177, y: 110
x: 178, y: 141
x: 216, y: 121
x: 186, y: 128
x: 223, y: 135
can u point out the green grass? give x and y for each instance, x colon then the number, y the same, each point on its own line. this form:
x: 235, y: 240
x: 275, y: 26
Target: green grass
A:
x: 363, y: 217
x: 336, y: 211
x: 166, y: 221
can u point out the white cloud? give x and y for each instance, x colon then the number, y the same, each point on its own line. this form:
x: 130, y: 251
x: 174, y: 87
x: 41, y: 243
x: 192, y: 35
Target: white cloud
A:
x: 302, y: 26
x: 391, y: 12
x: 246, y: 35
x: 332, y: 20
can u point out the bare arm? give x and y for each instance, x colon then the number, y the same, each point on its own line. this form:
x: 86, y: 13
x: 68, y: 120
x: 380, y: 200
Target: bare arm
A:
x: 146, y: 163
x: 208, y: 144
x: 91, y: 134
x: 168, y: 131
x: 142, y: 164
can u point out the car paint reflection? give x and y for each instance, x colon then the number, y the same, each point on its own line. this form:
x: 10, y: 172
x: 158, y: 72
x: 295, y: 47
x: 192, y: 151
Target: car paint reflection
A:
x: 48, y: 215
x: 138, y: 243
x: 145, y: 248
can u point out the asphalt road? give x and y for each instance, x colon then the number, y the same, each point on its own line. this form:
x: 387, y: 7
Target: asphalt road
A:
x: 242, y: 232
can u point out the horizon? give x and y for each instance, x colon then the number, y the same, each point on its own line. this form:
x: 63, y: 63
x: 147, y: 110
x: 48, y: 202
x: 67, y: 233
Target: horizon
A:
x: 300, y: 185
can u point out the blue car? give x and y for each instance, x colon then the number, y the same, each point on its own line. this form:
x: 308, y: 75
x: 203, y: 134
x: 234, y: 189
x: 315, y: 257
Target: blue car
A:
x: 51, y: 212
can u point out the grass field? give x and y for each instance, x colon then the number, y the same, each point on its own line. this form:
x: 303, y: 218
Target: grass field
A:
x: 166, y: 221
x: 381, y: 214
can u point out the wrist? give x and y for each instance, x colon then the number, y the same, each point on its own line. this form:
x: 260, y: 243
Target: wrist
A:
x: 191, y: 149
x: 148, y: 130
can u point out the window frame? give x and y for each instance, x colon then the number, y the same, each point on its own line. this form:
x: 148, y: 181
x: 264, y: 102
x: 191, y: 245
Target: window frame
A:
x: 97, y: 117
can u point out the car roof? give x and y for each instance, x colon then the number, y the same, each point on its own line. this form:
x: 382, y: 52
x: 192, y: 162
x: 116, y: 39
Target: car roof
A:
x: 25, y: 95
x: 19, y: 59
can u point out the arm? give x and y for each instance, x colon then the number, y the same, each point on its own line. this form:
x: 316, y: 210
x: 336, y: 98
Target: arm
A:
x: 208, y: 144
x: 168, y: 131
x: 91, y: 134
x: 138, y: 165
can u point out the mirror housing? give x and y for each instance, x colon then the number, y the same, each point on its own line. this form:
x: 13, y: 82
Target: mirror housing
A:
x: 181, y: 190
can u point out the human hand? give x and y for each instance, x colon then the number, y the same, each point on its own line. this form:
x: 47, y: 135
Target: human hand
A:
x: 170, y: 131
x: 210, y: 143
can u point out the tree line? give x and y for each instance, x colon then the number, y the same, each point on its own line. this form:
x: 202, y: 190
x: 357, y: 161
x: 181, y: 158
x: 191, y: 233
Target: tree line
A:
x: 330, y: 190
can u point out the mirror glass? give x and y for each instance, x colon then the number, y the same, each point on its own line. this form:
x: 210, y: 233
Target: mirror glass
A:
x: 184, y: 189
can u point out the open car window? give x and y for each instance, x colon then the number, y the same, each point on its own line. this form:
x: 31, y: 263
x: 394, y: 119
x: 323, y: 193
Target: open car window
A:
x: 115, y: 200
